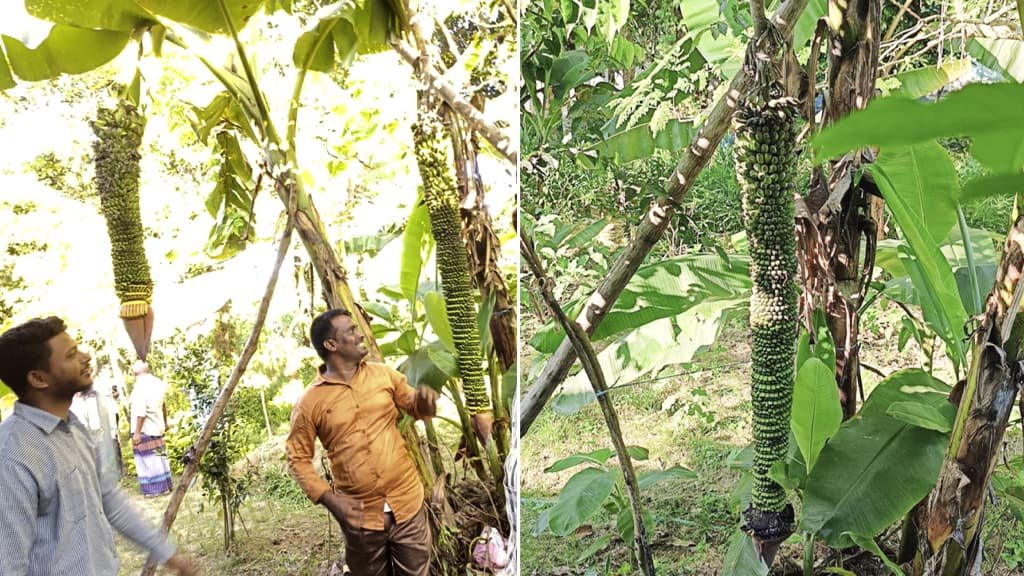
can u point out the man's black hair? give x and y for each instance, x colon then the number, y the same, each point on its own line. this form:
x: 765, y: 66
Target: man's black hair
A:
x: 321, y: 330
x: 25, y: 348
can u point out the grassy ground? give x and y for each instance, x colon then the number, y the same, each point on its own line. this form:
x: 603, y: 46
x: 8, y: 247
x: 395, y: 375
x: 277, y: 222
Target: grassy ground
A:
x: 279, y: 532
x: 696, y: 420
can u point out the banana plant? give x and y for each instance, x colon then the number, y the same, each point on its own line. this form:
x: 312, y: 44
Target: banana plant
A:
x: 989, y: 115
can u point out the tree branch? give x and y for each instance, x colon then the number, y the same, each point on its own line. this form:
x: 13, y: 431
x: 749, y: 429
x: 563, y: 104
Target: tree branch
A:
x: 501, y: 142
x: 697, y: 155
x: 199, y: 448
x: 588, y: 357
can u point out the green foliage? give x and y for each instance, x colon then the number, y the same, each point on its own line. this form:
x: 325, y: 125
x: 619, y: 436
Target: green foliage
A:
x: 565, y: 44
x: 921, y: 179
x: 231, y: 201
x: 892, y: 255
x: 1005, y: 55
x: 667, y: 314
x: 88, y: 34
x: 989, y: 113
x: 1008, y: 482
x: 1013, y: 553
x: 718, y: 45
x: 56, y: 173
x: 572, y: 251
x: 416, y: 246
x: 12, y: 283
x: 868, y: 543
x: 924, y: 416
x: 621, y: 194
x: 870, y: 472
x: 276, y: 483
x: 431, y: 365
x: 742, y: 559
x: 875, y: 468
x: 122, y: 15
x: 640, y: 141
x: 598, y: 487
x: 930, y: 272
x: 999, y: 186
x: 224, y: 112
x: 580, y: 498
x: 920, y: 82
x: 331, y: 38
x: 660, y: 290
x: 345, y: 29
x: 473, y: 39
x: 203, y: 14
x: 816, y: 412
x: 714, y: 206
x: 65, y: 50
x: 437, y: 315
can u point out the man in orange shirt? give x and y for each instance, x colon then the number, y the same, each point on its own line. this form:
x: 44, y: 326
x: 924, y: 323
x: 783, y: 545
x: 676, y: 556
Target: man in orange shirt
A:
x: 352, y: 407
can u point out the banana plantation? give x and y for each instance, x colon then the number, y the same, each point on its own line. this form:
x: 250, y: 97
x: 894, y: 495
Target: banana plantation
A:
x: 190, y: 183
x: 784, y: 242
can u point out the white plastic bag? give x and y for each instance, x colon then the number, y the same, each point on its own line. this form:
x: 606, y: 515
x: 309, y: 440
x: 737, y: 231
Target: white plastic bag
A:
x: 490, y: 549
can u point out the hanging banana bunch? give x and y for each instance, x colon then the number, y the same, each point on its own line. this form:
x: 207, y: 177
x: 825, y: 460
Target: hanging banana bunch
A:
x: 116, y: 155
x: 442, y: 198
x: 766, y: 170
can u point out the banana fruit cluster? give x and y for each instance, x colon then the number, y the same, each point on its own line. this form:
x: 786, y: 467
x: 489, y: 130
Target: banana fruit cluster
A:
x: 116, y: 155
x: 766, y: 169
x: 442, y: 198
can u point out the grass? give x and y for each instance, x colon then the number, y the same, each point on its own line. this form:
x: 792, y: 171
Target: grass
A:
x: 690, y: 420
x: 279, y: 531
x: 696, y: 419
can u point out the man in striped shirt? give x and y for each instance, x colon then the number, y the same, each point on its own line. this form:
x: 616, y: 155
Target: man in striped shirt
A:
x: 57, y: 507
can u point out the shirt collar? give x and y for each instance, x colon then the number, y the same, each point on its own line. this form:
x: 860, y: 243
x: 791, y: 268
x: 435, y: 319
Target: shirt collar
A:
x: 41, y: 418
x: 321, y: 379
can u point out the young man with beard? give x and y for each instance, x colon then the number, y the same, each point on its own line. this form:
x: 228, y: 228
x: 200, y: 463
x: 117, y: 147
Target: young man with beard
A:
x: 352, y: 406
x: 57, y: 506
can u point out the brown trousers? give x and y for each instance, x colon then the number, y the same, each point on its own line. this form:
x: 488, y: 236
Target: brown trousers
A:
x: 398, y: 550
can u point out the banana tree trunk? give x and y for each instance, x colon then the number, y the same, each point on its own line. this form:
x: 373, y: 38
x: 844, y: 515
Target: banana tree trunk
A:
x: 333, y: 276
x: 948, y: 526
x: 836, y: 213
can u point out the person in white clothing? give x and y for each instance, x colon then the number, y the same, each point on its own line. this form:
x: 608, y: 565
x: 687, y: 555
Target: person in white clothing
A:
x: 97, y: 409
x: 149, y: 422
